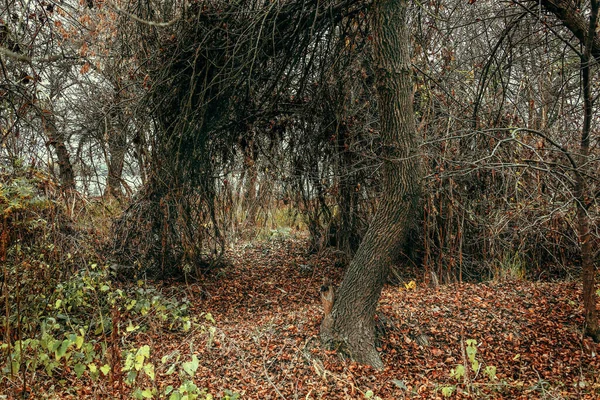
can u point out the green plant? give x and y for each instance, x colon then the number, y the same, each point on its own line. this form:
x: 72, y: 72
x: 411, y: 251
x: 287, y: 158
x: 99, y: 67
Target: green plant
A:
x: 460, y: 373
x: 511, y: 266
x: 370, y: 395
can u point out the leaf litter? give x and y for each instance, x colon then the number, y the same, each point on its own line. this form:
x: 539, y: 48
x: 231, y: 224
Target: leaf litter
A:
x: 525, y: 336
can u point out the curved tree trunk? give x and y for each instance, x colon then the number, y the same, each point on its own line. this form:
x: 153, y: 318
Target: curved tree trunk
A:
x: 352, y: 327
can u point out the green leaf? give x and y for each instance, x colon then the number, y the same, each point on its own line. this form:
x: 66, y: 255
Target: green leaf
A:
x: 140, y: 356
x: 149, y: 370
x: 144, y: 350
x: 147, y: 393
x: 131, y: 375
x: 131, y: 328
x: 15, y: 366
x: 79, y: 342
x: 369, y: 394
x: 171, y: 369
x: 399, y: 384
x: 175, y: 396
x: 490, y: 372
x: 458, y: 373
x: 187, y: 325
x: 62, y: 350
x: 79, y: 369
x: 137, y: 394
x: 191, y: 367
x: 105, y: 369
x: 210, y: 318
x: 448, y: 390
x: 128, y: 363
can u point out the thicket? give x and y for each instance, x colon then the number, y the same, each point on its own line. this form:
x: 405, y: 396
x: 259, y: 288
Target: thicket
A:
x: 66, y: 316
x: 212, y: 122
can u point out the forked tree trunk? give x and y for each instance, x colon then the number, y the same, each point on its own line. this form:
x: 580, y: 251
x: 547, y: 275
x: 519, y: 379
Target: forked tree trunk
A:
x: 352, y: 328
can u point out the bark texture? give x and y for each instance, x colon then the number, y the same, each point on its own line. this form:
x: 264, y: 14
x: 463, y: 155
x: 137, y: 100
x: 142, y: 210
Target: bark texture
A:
x: 592, y: 328
x: 117, y: 147
x: 574, y: 20
x: 352, y: 327
x: 116, y: 137
x: 57, y: 141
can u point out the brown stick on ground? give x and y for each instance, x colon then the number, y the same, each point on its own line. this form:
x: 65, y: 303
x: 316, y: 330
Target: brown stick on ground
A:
x: 327, y: 298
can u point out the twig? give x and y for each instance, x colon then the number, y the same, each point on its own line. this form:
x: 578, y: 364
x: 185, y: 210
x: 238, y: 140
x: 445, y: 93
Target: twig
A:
x: 143, y: 21
x: 23, y: 58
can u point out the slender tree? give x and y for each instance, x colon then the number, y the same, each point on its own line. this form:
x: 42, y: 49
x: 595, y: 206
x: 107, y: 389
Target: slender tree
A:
x: 581, y: 187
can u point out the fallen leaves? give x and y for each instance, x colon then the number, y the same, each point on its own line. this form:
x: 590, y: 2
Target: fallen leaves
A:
x: 266, y: 345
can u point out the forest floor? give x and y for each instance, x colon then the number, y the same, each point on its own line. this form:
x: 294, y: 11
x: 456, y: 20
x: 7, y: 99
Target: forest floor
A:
x: 267, y: 311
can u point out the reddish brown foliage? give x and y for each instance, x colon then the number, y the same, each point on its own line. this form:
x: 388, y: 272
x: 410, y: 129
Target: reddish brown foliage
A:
x: 268, y: 311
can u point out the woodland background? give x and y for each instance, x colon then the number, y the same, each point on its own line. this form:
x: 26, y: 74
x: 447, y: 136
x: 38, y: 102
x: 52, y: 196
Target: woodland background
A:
x: 178, y: 176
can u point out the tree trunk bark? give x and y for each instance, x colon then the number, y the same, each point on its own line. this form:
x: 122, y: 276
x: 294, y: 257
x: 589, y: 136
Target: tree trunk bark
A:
x: 56, y: 140
x: 116, y: 137
x: 592, y: 328
x: 352, y: 328
x: 574, y: 20
x: 117, y: 147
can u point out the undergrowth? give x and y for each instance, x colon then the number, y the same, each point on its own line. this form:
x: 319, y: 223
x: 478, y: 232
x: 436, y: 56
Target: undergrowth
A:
x: 66, y: 320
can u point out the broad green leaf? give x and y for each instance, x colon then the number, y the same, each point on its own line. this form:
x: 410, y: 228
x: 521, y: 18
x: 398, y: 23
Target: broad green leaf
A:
x: 128, y: 363
x: 144, y: 350
x: 191, y: 367
x: 149, y: 370
x: 15, y: 367
x: 490, y: 372
x: 175, y: 396
x: 62, y: 350
x: 79, y: 342
x: 458, y: 373
x: 79, y: 369
x: 448, y: 390
x: 131, y: 375
x: 105, y: 369
x: 92, y: 367
x: 147, y: 393
x: 171, y: 369
x: 140, y: 356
